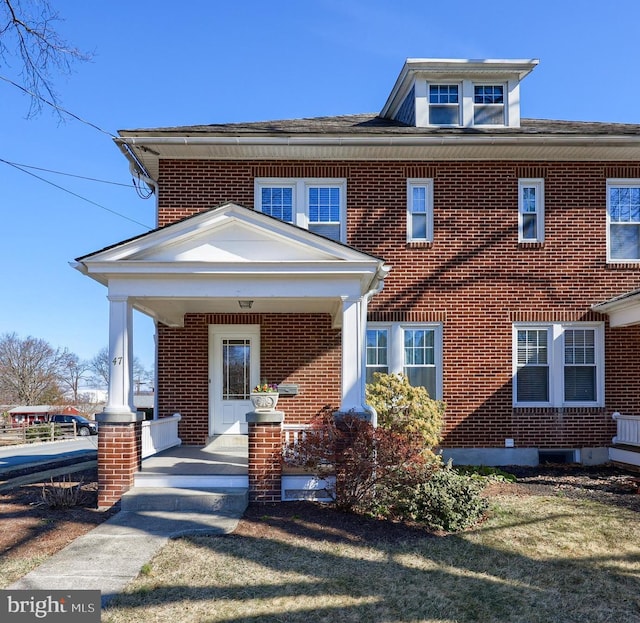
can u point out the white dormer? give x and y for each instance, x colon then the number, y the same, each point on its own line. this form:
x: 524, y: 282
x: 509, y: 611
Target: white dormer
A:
x: 431, y: 92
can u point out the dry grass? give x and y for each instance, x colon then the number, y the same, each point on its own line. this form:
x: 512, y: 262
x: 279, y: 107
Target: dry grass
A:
x: 535, y: 560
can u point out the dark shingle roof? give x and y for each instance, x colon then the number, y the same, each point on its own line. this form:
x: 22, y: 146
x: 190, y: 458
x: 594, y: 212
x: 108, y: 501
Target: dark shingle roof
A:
x: 372, y: 124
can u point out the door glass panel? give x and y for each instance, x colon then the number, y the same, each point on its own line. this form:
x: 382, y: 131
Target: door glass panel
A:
x: 236, y: 359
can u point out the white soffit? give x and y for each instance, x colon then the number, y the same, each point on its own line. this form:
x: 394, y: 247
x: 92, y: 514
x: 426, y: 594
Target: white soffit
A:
x: 396, y: 148
x: 623, y: 311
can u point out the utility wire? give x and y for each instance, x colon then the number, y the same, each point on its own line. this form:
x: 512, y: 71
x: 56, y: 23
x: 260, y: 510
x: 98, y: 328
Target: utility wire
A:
x: 139, y: 191
x: 82, y: 177
x: 58, y: 108
x: 42, y: 179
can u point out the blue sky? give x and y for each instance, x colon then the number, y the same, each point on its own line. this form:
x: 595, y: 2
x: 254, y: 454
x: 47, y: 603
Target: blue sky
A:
x: 206, y: 61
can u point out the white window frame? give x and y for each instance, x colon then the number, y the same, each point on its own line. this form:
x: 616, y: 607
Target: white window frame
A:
x: 556, y: 363
x: 503, y: 106
x: 300, y: 188
x: 427, y: 184
x: 618, y: 183
x: 395, y: 347
x: 458, y: 105
x: 538, y: 184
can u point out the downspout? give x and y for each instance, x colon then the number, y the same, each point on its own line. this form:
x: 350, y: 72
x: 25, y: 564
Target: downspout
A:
x: 137, y: 169
x: 378, y: 285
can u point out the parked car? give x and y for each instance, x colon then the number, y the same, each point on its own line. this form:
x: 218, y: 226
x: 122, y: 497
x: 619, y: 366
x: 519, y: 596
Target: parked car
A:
x: 84, y: 426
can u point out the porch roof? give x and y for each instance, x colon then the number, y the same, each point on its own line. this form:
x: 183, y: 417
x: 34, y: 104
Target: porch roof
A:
x: 216, y: 260
x: 623, y: 310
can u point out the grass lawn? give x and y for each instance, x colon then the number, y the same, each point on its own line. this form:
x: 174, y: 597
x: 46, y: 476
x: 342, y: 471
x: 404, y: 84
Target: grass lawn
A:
x: 536, y: 559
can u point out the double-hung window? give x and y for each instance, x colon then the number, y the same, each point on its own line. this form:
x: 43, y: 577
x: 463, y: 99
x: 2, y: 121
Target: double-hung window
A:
x: 488, y: 104
x: 377, y: 352
x: 419, y: 210
x: 314, y: 204
x: 623, y: 220
x: 530, y: 210
x: 558, y: 365
x: 413, y: 350
x: 444, y: 104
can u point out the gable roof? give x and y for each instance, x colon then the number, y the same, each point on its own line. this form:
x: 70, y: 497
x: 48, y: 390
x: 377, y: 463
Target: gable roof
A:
x: 186, y: 239
x: 209, y: 261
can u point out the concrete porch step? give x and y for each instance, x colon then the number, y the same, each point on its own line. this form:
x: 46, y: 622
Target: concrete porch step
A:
x: 230, y: 500
x: 190, y: 481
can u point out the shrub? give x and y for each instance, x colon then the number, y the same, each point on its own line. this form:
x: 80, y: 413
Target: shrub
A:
x: 62, y: 494
x: 364, y: 458
x: 447, y: 501
x: 37, y: 432
x: 485, y: 473
x: 406, y: 410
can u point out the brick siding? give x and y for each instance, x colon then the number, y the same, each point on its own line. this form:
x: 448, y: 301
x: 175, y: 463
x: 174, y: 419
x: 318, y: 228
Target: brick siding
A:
x: 265, y: 462
x: 294, y: 348
x: 119, y: 458
x: 475, y: 278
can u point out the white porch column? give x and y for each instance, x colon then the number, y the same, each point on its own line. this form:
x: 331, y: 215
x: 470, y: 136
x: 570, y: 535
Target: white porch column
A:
x: 120, y: 400
x: 352, y: 356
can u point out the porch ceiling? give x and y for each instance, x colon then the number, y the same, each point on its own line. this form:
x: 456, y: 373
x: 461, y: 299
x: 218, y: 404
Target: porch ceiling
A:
x: 172, y: 311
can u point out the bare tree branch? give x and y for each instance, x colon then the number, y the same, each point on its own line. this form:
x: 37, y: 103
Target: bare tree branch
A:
x: 29, y: 370
x: 27, y: 32
x: 72, y: 372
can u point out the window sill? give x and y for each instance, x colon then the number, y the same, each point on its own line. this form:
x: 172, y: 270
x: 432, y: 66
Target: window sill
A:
x: 574, y: 408
x: 531, y: 245
x: 419, y: 244
x: 633, y: 264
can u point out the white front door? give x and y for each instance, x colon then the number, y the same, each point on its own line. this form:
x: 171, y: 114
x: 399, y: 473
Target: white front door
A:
x: 234, y: 369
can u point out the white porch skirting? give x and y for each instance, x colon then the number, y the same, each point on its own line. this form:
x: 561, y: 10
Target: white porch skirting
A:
x: 160, y: 434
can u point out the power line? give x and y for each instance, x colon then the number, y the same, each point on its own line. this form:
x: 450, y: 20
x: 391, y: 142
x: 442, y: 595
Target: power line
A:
x: 42, y: 179
x: 56, y: 107
x: 81, y: 177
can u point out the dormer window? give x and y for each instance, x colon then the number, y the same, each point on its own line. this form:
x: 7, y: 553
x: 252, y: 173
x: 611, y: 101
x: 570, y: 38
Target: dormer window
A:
x: 444, y: 104
x: 457, y: 93
x: 488, y: 104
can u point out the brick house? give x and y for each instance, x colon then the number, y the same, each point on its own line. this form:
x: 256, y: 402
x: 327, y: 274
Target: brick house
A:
x: 493, y: 259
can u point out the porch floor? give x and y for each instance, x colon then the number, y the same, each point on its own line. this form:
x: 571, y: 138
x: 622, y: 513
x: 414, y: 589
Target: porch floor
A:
x: 197, y: 461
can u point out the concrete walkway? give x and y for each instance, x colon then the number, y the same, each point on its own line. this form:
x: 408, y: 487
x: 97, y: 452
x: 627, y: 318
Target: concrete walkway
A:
x: 112, y: 554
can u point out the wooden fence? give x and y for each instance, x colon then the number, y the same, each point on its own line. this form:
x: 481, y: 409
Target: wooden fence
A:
x: 24, y: 433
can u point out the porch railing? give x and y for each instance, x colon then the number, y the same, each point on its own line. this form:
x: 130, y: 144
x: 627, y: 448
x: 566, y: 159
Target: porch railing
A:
x: 160, y: 434
x: 628, y: 429
x: 297, y: 482
x: 292, y: 436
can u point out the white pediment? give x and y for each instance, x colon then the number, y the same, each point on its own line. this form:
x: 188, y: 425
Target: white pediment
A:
x: 232, y: 242
x: 228, y: 234
x: 209, y: 262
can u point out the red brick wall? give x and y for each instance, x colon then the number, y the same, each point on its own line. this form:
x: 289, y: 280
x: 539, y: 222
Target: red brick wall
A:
x: 265, y: 462
x: 119, y: 458
x: 301, y: 349
x: 475, y: 278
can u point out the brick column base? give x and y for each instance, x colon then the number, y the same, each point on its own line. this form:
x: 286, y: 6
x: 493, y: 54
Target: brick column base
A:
x: 265, y: 456
x: 119, y: 458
